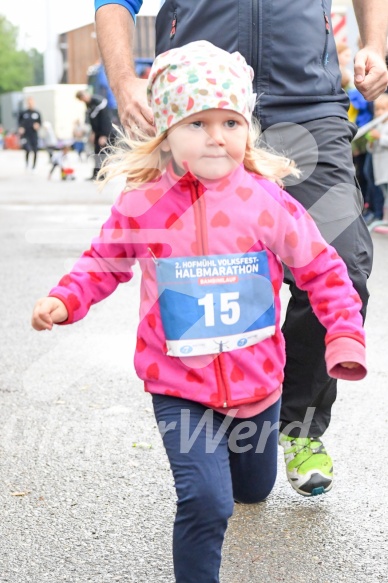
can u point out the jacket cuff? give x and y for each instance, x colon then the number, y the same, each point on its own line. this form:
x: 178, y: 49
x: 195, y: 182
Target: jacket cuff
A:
x: 345, y: 350
x: 69, y: 308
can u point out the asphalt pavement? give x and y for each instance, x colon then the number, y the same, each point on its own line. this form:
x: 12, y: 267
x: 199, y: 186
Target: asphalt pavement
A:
x: 86, y: 493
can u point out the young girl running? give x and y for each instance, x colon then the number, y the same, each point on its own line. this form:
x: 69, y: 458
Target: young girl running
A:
x: 206, y: 217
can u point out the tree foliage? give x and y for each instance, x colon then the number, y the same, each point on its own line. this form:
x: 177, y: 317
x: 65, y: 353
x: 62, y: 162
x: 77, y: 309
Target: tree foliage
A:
x: 18, y: 68
x: 37, y: 65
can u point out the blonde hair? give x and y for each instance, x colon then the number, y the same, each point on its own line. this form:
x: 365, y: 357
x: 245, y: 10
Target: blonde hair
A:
x: 141, y: 160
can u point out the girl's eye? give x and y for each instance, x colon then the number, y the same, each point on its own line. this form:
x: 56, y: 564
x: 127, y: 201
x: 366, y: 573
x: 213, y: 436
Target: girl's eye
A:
x: 231, y: 123
x: 196, y: 124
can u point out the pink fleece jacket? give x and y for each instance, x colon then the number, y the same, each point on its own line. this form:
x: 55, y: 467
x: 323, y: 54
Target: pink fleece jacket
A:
x: 181, y: 217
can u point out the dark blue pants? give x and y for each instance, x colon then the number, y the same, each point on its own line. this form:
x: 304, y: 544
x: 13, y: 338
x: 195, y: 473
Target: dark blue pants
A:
x: 214, y: 460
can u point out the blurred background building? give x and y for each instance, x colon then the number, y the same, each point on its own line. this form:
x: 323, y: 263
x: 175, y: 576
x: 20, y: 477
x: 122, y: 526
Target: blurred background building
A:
x: 72, y: 61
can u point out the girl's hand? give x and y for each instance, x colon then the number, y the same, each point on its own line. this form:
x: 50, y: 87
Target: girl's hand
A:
x: 48, y: 311
x: 350, y: 364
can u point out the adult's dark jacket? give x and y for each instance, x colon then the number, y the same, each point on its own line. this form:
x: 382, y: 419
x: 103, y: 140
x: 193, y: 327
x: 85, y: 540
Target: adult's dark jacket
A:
x: 27, y: 119
x: 289, y: 44
x: 98, y: 115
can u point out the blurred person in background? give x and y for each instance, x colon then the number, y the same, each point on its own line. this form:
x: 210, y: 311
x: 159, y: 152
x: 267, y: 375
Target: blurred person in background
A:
x: 98, y: 116
x: 29, y: 123
x: 60, y: 159
x: 360, y: 112
x: 50, y: 139
x: 80, y: 134
x: 378, y: 146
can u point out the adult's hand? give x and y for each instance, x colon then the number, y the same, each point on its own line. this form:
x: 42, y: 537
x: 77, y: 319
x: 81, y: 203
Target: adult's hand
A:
x: 133, y: 107
x: 370, y: 73
x: 115, y: 30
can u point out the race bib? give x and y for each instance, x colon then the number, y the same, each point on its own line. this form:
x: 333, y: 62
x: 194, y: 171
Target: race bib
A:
x: 215, y: 303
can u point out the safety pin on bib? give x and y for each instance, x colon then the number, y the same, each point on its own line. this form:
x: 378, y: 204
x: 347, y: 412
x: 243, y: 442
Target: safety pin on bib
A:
x: 154, y: 258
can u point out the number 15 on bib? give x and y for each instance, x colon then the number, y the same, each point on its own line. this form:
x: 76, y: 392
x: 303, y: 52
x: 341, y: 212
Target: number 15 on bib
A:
x: 215, y: 303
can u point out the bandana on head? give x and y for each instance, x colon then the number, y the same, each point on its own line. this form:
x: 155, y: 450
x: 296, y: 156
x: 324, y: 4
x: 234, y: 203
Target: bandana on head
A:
x: 196, y: 77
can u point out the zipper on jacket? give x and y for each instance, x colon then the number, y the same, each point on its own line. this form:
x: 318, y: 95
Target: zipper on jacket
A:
x: 325, y: 55
x: 203, y: 248
x: 199, y: 211
x: 222, y: 375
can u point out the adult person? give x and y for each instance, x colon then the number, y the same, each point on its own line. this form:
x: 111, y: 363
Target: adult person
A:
x: 360, y: 112
x: 297, y: 79
x: 29, y: 123
x: 50, y: 139
x: 97, y: 113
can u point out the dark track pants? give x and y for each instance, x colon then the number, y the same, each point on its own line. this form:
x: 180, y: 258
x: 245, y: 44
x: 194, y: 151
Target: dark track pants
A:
x: 329, y: 191
x: 210, y: 472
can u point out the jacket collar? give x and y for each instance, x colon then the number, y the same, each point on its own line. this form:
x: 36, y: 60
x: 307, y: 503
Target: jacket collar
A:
x: 188, y: 179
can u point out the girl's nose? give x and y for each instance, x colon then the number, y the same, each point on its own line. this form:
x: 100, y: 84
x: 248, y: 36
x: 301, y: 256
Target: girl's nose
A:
x: 216, y: 135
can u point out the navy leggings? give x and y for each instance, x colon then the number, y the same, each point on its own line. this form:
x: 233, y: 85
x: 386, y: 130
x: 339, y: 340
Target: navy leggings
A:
x: 215, y: 460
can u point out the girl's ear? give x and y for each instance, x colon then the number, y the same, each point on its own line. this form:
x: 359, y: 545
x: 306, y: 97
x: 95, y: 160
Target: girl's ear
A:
x: 165, y: 146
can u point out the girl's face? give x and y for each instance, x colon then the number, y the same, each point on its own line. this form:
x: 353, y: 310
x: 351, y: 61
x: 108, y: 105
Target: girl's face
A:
x: 210, y: 144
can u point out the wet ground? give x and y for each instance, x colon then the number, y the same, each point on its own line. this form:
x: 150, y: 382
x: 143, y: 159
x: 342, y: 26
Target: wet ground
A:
x: 86, y: 493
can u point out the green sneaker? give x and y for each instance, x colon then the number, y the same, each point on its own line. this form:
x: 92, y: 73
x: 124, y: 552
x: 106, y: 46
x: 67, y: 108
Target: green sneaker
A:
x: 309, y: 468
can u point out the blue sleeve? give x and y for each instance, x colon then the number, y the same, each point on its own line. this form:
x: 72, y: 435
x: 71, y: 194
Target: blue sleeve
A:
x: 132, y: 5
x: 357, y: 99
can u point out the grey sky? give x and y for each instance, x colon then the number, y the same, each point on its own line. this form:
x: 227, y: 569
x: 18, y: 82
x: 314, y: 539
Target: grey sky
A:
x: 31, y: 17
